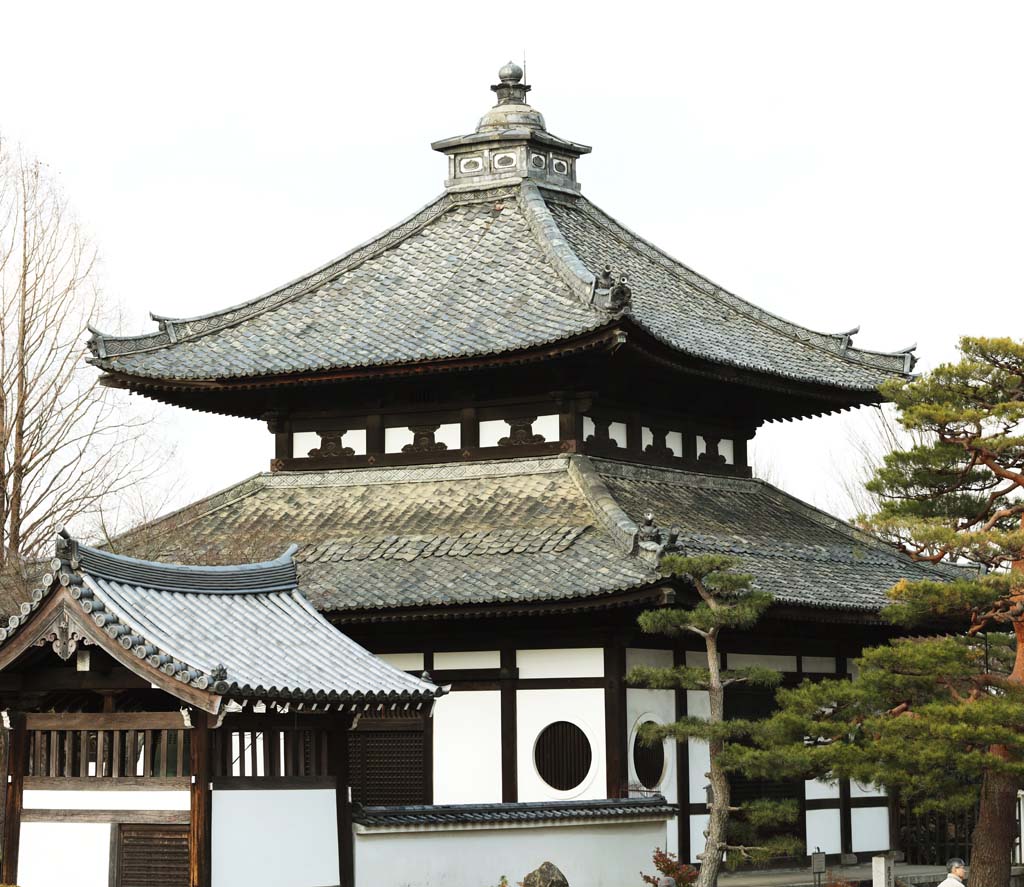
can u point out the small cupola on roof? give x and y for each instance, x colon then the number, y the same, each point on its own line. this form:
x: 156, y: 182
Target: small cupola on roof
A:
x: 511, y: 144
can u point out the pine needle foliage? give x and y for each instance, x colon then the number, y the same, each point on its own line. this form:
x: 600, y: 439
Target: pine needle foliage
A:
x: 726, y: 600
x: 939, y: 716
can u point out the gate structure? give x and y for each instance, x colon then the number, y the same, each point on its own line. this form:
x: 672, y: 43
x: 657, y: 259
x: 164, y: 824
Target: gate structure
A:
x: 165, y: 723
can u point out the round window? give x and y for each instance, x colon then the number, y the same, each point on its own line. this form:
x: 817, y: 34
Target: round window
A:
x: 562, y: 755
x: 648, y: 761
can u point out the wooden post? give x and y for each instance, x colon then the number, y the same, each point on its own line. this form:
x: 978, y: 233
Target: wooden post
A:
x: 201, y: 801
x: 338, y: 763
x: 509, y: 728
x: 16, y: 759
x: 615, y: 717
x: 682, y: 766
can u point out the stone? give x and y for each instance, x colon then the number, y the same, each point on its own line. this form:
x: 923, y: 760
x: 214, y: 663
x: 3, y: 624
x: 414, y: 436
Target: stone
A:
x: 548, y: 875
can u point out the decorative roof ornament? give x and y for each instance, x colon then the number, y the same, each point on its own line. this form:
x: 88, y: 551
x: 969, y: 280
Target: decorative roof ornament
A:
x: 511, y: 144
x: 611, y: 291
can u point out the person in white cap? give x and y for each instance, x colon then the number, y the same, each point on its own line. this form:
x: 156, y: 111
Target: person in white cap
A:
x: 957, y: 870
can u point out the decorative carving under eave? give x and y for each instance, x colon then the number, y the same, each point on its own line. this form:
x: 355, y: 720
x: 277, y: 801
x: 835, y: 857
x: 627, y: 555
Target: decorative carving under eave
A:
x: 659, y: 447
x: 711, y: 453
x: 521, y: 433
x: 63, y: 638
x: 601, y: 435
x: 423, y: 440
x: 330, y: 445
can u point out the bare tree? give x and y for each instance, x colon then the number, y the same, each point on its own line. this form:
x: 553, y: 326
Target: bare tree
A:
x: 66, y: 444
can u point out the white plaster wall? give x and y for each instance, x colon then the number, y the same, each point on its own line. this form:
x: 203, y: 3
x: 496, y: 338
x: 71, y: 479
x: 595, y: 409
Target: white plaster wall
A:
x: 865, y: 790
x: 819, y: 664
x: 56, y: 854
x: 467, y: 748
x: 35, y: 799
x: 658, y: 706
x: 245, y: 824
x: 404, y: 661
x: 643, y: 656
x: 471, y: 659
x: 697, y: 658
x: 535, y: 709
x: 580, y: 662
x: 823, y: 831
x: 819, y: 789
x: 750, y: 660
x: 588, y: 855
x: 869, y: 828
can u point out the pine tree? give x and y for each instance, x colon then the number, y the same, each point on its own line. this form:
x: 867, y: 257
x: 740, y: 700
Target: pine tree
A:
x: 726, y: 600
x: 938, y: 716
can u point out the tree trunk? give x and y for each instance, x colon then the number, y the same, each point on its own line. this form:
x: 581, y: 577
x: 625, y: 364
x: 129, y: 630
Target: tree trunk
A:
x: 995, y: 831
x: 718, y: 818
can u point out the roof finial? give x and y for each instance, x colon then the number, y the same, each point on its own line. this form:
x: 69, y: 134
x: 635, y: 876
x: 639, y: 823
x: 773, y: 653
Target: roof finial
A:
x: 511, y: 90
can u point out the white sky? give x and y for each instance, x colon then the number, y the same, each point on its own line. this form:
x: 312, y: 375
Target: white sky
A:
x: 838, y: 165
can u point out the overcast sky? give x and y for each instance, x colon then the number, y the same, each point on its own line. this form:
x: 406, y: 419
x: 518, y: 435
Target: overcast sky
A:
x: 840, y: 165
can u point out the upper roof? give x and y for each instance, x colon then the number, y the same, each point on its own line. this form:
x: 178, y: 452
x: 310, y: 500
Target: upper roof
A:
x: 527, y: 534
x: 233, y: 632
x: 509, y: 258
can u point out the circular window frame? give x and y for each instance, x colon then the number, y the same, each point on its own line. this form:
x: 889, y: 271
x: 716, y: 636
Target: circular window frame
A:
x: 595, y: 761
x: 667, y: 759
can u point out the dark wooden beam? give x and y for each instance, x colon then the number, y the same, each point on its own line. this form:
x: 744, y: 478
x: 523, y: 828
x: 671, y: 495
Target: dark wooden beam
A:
x: 69, y: 679
x: 682, y: 767
x: 148, y: 817
x: 17, y: 759
x: 338, y: 765
x: 201, y: 801
x: 615, y: 718
x: 509, y: 727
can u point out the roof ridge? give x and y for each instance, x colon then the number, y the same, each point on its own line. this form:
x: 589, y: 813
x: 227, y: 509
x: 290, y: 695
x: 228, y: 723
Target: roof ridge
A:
x: 175, y: 329
x: 278, y: 574
x: 554, y: 245
x: 838, y: 344
x: 612, y: 516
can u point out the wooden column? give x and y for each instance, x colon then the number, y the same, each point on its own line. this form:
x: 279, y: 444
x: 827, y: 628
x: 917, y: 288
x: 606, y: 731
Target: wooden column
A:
x: 17, y: 758
x: 615, y: 717
x: 374, y: 435
x: 338, y: 763
x: 469, y: 429
x: 199, y: 849
x: 509, y: 727
x: 682, y: 767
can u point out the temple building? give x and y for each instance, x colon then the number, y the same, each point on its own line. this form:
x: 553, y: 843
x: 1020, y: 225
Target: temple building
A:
x: 486, y: 426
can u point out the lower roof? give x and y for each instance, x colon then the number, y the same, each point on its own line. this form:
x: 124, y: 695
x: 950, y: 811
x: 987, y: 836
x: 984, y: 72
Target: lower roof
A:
x: 390, y: 542
x: 239, y: 632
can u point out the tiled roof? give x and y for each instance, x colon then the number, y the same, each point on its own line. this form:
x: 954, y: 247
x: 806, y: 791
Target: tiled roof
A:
x: 800, y: 554
x: 654, y: 807
x: 484, y: 273
x: 530, y: 530
x: 240, y: 631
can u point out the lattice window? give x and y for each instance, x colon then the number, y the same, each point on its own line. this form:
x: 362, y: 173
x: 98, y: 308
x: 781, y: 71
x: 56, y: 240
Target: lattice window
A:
x: 562, y: 755
x: 150, y: 856
x: 387, y: 767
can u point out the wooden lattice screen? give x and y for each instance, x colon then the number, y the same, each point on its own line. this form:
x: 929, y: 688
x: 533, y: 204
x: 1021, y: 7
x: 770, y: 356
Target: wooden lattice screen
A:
x: 270, y: 752
x: 98, y: 746
x: 387, y: 768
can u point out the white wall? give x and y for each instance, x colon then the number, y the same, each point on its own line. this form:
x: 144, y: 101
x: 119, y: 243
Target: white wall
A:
x: 586, y: 662
x: 403, y: 661
x: 56, y: 854
x: 588, y: 855
x: 869, y: 827
x: 276, y: 838
x: 535, y: 710
x: 823, y: 831
x: 83, y: 799
x: 467, y: 747
x: 470, y: 659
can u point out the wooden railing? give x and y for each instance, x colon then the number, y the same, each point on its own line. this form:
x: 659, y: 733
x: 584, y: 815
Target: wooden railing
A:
x: 89, y: 746
x: 270, y: 752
